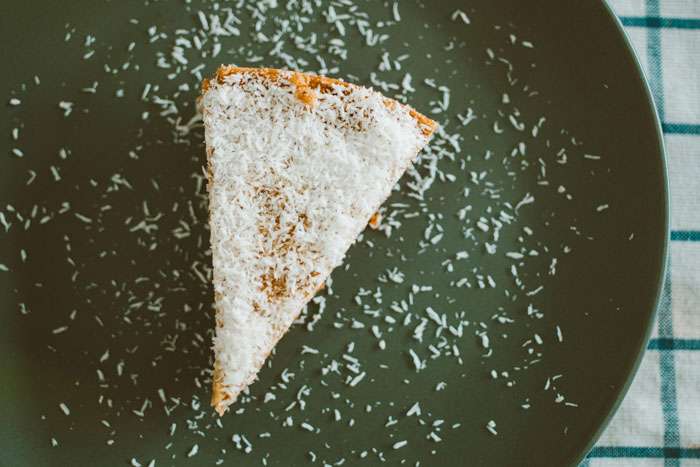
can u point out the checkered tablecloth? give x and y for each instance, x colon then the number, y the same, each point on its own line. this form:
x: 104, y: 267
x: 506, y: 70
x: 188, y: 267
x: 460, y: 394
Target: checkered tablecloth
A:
x: 658, y: 423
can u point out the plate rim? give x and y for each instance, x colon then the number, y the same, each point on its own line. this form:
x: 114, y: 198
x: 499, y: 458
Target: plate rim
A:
x: 662, y: 270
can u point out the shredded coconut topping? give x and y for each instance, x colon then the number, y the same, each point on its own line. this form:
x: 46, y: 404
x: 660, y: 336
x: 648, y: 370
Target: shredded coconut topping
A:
x: 297, y: 167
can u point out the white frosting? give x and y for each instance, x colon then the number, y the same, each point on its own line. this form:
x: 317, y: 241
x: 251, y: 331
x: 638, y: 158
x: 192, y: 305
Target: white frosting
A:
x: 291, y: 186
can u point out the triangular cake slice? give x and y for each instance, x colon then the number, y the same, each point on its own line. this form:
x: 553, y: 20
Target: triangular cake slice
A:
x: 298, y: 164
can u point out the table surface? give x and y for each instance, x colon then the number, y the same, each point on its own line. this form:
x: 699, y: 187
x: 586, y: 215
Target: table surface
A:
x: 659, y: 421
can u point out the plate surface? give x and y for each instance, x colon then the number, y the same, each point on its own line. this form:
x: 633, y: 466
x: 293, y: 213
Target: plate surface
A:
x: 530, y: 268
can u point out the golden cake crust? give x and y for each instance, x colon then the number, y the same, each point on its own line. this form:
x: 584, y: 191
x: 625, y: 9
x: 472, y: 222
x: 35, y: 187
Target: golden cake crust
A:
x: 305, y: 85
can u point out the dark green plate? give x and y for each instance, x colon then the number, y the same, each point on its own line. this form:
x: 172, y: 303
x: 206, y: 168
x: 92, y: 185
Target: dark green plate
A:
x: 107, y: 310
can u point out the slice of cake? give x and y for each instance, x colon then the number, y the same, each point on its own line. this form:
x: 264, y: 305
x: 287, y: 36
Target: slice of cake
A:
x: 298, y: 164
